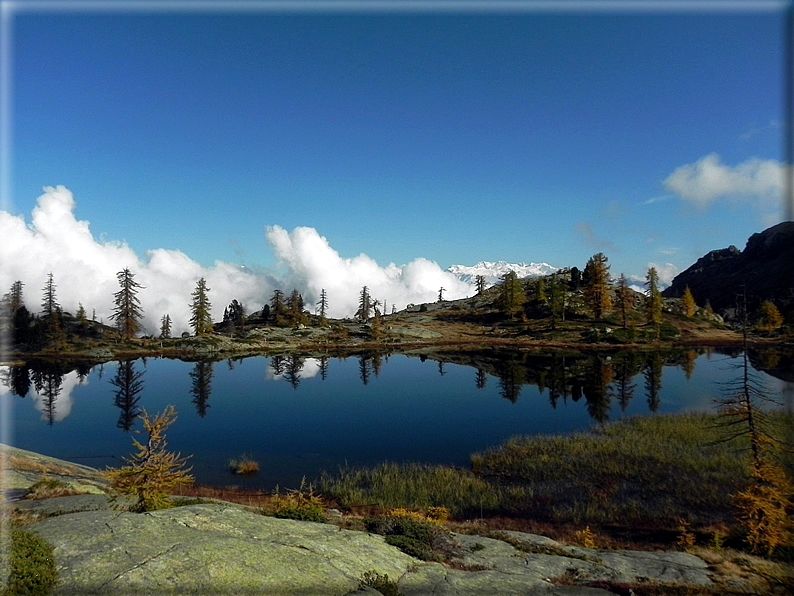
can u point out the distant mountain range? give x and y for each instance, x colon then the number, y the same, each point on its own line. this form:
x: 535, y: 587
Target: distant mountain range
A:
x: 493, y: 272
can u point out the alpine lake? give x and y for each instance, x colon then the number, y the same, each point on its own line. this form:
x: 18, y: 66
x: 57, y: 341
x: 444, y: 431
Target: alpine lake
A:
x: 298, y: 416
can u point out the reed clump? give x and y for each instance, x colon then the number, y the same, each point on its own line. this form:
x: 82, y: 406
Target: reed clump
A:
x: 413, y: 486
x: 245, y: 464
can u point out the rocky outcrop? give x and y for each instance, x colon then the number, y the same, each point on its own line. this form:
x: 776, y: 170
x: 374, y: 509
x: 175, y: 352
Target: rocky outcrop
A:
x: 226, y: 549
x: 765, y: 268
x: 24, y: 468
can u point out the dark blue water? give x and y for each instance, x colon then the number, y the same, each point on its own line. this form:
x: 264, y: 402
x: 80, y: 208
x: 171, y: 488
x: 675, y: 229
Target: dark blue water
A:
x: 298, y: 423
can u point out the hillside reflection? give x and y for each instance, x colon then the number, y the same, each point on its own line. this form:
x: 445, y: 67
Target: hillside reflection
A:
x: 300, y: 414
x: 607, y: 382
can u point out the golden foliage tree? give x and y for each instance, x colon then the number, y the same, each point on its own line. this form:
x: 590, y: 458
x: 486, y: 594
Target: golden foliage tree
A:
x: 764, y: 506
x: 596, y: 284
x: 153, y: 471
x: 769, y: 316
x: 688, y: 304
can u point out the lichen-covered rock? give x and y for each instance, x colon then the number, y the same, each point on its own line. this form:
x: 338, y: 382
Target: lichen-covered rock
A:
x: 227, y: 549
x: 211, y: 549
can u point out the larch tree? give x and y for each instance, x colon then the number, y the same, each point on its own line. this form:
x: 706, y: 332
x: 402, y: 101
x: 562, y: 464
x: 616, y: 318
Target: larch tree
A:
x: 165, y: 327
x: 13, y: 300
x: 479, y: 283
x: 540, y: 291
x: 625, y: 299
x: 769, y: 317
x: 364, y: 305
x: 688, y: 304
x: 81, y: 316
x: 596, y: 284
x: 295, y: 308
x: 765, y: 503
x: 51, y: 315
x: 151, y: 474
x: 511, y: 294
x: 322, y: 306
x: 557, y: 299
x: 49, y: 303
x: 376, y: 330
x: 200, y: 309
x: 127, y: 311
x: 653, y: 299
x: 277, y: 303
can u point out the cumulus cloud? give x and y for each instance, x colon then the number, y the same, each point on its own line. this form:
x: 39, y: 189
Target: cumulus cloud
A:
x: 313, y: 265
x: 759, y: 181
x: 84, y: 270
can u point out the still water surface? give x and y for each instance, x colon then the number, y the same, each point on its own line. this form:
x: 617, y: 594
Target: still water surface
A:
x: 299, y: 416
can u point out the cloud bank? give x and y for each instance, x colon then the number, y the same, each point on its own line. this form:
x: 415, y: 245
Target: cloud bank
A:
x: 84, y: 270
x: 313, y: 265
x: 758, y: 181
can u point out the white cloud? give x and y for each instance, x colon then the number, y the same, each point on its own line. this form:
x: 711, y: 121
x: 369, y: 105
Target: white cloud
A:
x: 314, y: 265
x: 758, y: 181
x: 659, y: 199
x: 84, y: 270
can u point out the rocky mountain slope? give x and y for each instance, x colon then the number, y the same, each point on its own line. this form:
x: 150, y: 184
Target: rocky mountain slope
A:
x: 765, y: 268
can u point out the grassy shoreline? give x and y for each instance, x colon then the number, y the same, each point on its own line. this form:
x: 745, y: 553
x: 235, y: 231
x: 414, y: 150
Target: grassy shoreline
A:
x: 636, y: 479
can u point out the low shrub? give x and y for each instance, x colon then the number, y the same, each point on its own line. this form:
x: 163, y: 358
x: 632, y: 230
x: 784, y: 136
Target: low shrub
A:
x: 415, y: 537
x: 301, y: 504
x: 380, y: 582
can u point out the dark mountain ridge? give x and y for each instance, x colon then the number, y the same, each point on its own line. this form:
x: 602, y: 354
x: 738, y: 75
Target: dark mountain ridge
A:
x: 765, y: 268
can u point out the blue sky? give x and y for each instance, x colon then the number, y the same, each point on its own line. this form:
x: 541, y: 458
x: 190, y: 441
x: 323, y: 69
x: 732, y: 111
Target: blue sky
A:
x: 458, y: 136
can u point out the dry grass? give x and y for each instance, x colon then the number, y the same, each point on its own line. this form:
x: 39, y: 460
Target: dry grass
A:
x: 738, y: 572
x: 18, y: 462
x: 19, y: 517
x: 48, y: 488
x: 232, y: 494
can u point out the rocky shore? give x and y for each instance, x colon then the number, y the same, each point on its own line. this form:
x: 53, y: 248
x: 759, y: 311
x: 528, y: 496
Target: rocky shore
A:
x: 226, y: 548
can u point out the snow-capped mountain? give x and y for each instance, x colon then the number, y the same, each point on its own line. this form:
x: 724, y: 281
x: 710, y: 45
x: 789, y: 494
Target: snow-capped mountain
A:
x: 492, y: 272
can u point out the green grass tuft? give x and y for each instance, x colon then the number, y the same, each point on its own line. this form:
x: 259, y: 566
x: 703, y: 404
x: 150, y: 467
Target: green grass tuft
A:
x: 28, y: 567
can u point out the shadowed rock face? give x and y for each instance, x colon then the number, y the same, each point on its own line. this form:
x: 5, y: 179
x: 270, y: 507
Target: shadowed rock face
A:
x: 765, y: 267
x: 225, y: 549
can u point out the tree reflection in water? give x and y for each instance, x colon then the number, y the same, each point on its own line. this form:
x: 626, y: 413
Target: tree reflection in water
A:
x: 129, y: 385
x: 201, y: 386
